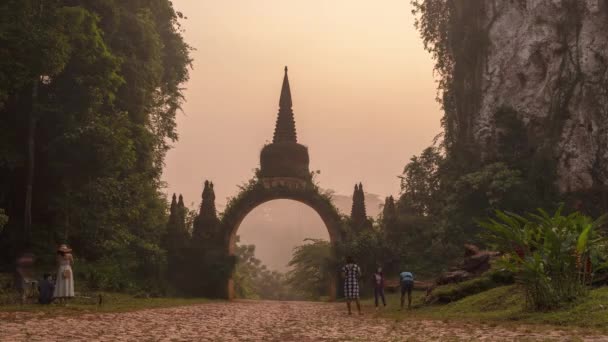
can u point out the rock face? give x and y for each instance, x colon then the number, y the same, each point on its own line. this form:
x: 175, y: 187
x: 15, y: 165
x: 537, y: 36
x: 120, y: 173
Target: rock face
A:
x: 547, y: 61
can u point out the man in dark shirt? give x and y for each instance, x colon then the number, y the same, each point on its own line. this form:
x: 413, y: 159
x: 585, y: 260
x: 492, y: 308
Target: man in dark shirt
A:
x: 46, y: 288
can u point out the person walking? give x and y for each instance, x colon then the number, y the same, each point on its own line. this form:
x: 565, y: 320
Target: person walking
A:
x: 64, y: 284
x: 351, y: 274
x: 378, y: 280
x: 407, y: 285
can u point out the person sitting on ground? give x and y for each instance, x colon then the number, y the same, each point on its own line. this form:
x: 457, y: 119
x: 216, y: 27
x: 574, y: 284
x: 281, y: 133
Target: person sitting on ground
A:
x: 351, y: 274
x: 407, y: 285
x: 378, y: 280
x: 46, y: 287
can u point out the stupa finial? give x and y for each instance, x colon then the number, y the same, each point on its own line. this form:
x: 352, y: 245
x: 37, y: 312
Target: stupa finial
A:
x: 285, y: 130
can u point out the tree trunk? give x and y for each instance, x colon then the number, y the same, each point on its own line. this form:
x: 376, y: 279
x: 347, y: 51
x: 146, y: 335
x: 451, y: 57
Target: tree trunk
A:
x: 29, y: 180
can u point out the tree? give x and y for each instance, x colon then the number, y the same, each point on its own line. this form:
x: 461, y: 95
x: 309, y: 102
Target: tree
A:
x: 420, y: 182
x: 247, y: 269
x: 358, y: 215
x: 206, y: 223
x: 312, y: 266
x: 176, y: 244
x: 389, y: 213
x: 100, y: 121
x: 210, y: 265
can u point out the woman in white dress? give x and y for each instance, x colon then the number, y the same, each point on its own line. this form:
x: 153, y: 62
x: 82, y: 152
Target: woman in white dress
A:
x: 64, y: 285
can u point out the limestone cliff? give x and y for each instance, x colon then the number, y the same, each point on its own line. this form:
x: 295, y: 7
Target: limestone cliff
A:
x: 547, y: 62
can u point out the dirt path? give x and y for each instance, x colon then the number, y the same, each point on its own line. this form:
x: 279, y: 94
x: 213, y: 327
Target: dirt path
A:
x: 257, y: 321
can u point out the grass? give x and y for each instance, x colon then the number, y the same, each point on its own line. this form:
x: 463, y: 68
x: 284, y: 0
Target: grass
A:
x: 495, y: 277
x: 112, y: 302
x: 505, y: 305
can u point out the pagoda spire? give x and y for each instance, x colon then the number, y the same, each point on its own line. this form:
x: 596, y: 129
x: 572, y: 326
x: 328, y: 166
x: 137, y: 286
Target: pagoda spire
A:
x: 285, y: 130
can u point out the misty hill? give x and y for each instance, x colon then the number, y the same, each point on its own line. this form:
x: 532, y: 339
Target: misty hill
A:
x: 276, y: 227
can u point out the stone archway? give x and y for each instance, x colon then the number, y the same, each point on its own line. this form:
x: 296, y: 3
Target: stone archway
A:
x: 283, y: 174
x: 263, y: 191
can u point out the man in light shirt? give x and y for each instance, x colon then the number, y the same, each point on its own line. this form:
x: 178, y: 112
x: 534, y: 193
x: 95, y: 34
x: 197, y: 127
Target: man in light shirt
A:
x: 407, y: 285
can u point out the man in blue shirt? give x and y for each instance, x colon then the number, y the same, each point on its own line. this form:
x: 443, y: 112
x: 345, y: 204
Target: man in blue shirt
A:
x: 407, y: 285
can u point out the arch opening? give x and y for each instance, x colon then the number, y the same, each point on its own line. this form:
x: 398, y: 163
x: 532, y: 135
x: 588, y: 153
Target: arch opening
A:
x: 250, y: 199
x: 276, y: 227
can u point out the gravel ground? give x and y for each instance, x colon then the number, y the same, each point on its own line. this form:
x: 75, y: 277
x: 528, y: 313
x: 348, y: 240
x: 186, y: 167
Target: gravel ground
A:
x: 262, y: 321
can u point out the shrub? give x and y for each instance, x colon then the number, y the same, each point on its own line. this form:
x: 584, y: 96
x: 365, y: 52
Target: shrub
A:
x: 453, y: 292
x: 312, y: 265
x: 553, y: 257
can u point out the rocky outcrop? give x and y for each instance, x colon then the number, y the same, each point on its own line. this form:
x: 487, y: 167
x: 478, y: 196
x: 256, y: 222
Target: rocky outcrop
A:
x: 475, y: 263
x: 547, y: 62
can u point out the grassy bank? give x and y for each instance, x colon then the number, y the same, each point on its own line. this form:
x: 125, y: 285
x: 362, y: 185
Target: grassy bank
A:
x: 112, y: 302
x: 506, y: 304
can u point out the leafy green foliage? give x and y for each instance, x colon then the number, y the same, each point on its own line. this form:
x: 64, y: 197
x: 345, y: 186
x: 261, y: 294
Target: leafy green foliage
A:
x: 420, y: 182
x: 553, y: 256
x: 312, y: 265
x: 412, y: 237
x: 455, y: 34
x: 108, y: 76
x: 254, y: 281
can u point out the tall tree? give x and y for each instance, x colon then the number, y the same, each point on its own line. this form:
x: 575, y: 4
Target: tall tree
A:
x: 358, y: 214
x: 107, y: 77
x: 205, y: 224
x: 420, y: 182
x: 176, y: 243
x: 210, y: 265
x: 389, y: 211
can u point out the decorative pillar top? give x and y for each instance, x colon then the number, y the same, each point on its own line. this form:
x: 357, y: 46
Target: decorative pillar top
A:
x: 285, y: 130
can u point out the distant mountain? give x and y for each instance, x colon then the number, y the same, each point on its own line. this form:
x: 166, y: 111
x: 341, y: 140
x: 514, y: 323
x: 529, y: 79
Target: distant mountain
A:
x: 276, y: 227
x: 373, y: 204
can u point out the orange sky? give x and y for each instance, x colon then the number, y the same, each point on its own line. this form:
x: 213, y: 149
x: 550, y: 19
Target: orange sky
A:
x: 362, y: 88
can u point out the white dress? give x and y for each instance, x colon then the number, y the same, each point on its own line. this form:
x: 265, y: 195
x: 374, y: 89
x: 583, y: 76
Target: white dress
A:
x: 64, y: 287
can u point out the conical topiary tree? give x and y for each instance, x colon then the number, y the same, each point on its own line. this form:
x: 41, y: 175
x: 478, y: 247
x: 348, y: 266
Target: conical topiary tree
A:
x: 206, y: 223
x: 181, y: 213
x: 176, y: 243
x: 358, y: 214
x: 209, y: 264
x: 389, y: 212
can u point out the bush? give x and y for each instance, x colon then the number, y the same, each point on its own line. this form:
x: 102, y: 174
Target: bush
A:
x: 453, y: 292
x: 312, y: 265
x: 553, y: 257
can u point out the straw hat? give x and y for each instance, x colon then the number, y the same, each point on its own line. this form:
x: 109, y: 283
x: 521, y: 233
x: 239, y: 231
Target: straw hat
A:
x: 64, y: 248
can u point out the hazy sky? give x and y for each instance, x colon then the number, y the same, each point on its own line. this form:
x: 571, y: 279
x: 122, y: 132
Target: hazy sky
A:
x: 362, y: 87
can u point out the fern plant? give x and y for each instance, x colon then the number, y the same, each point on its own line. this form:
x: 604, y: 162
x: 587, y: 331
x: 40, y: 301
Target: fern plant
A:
x: 554, y: 257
